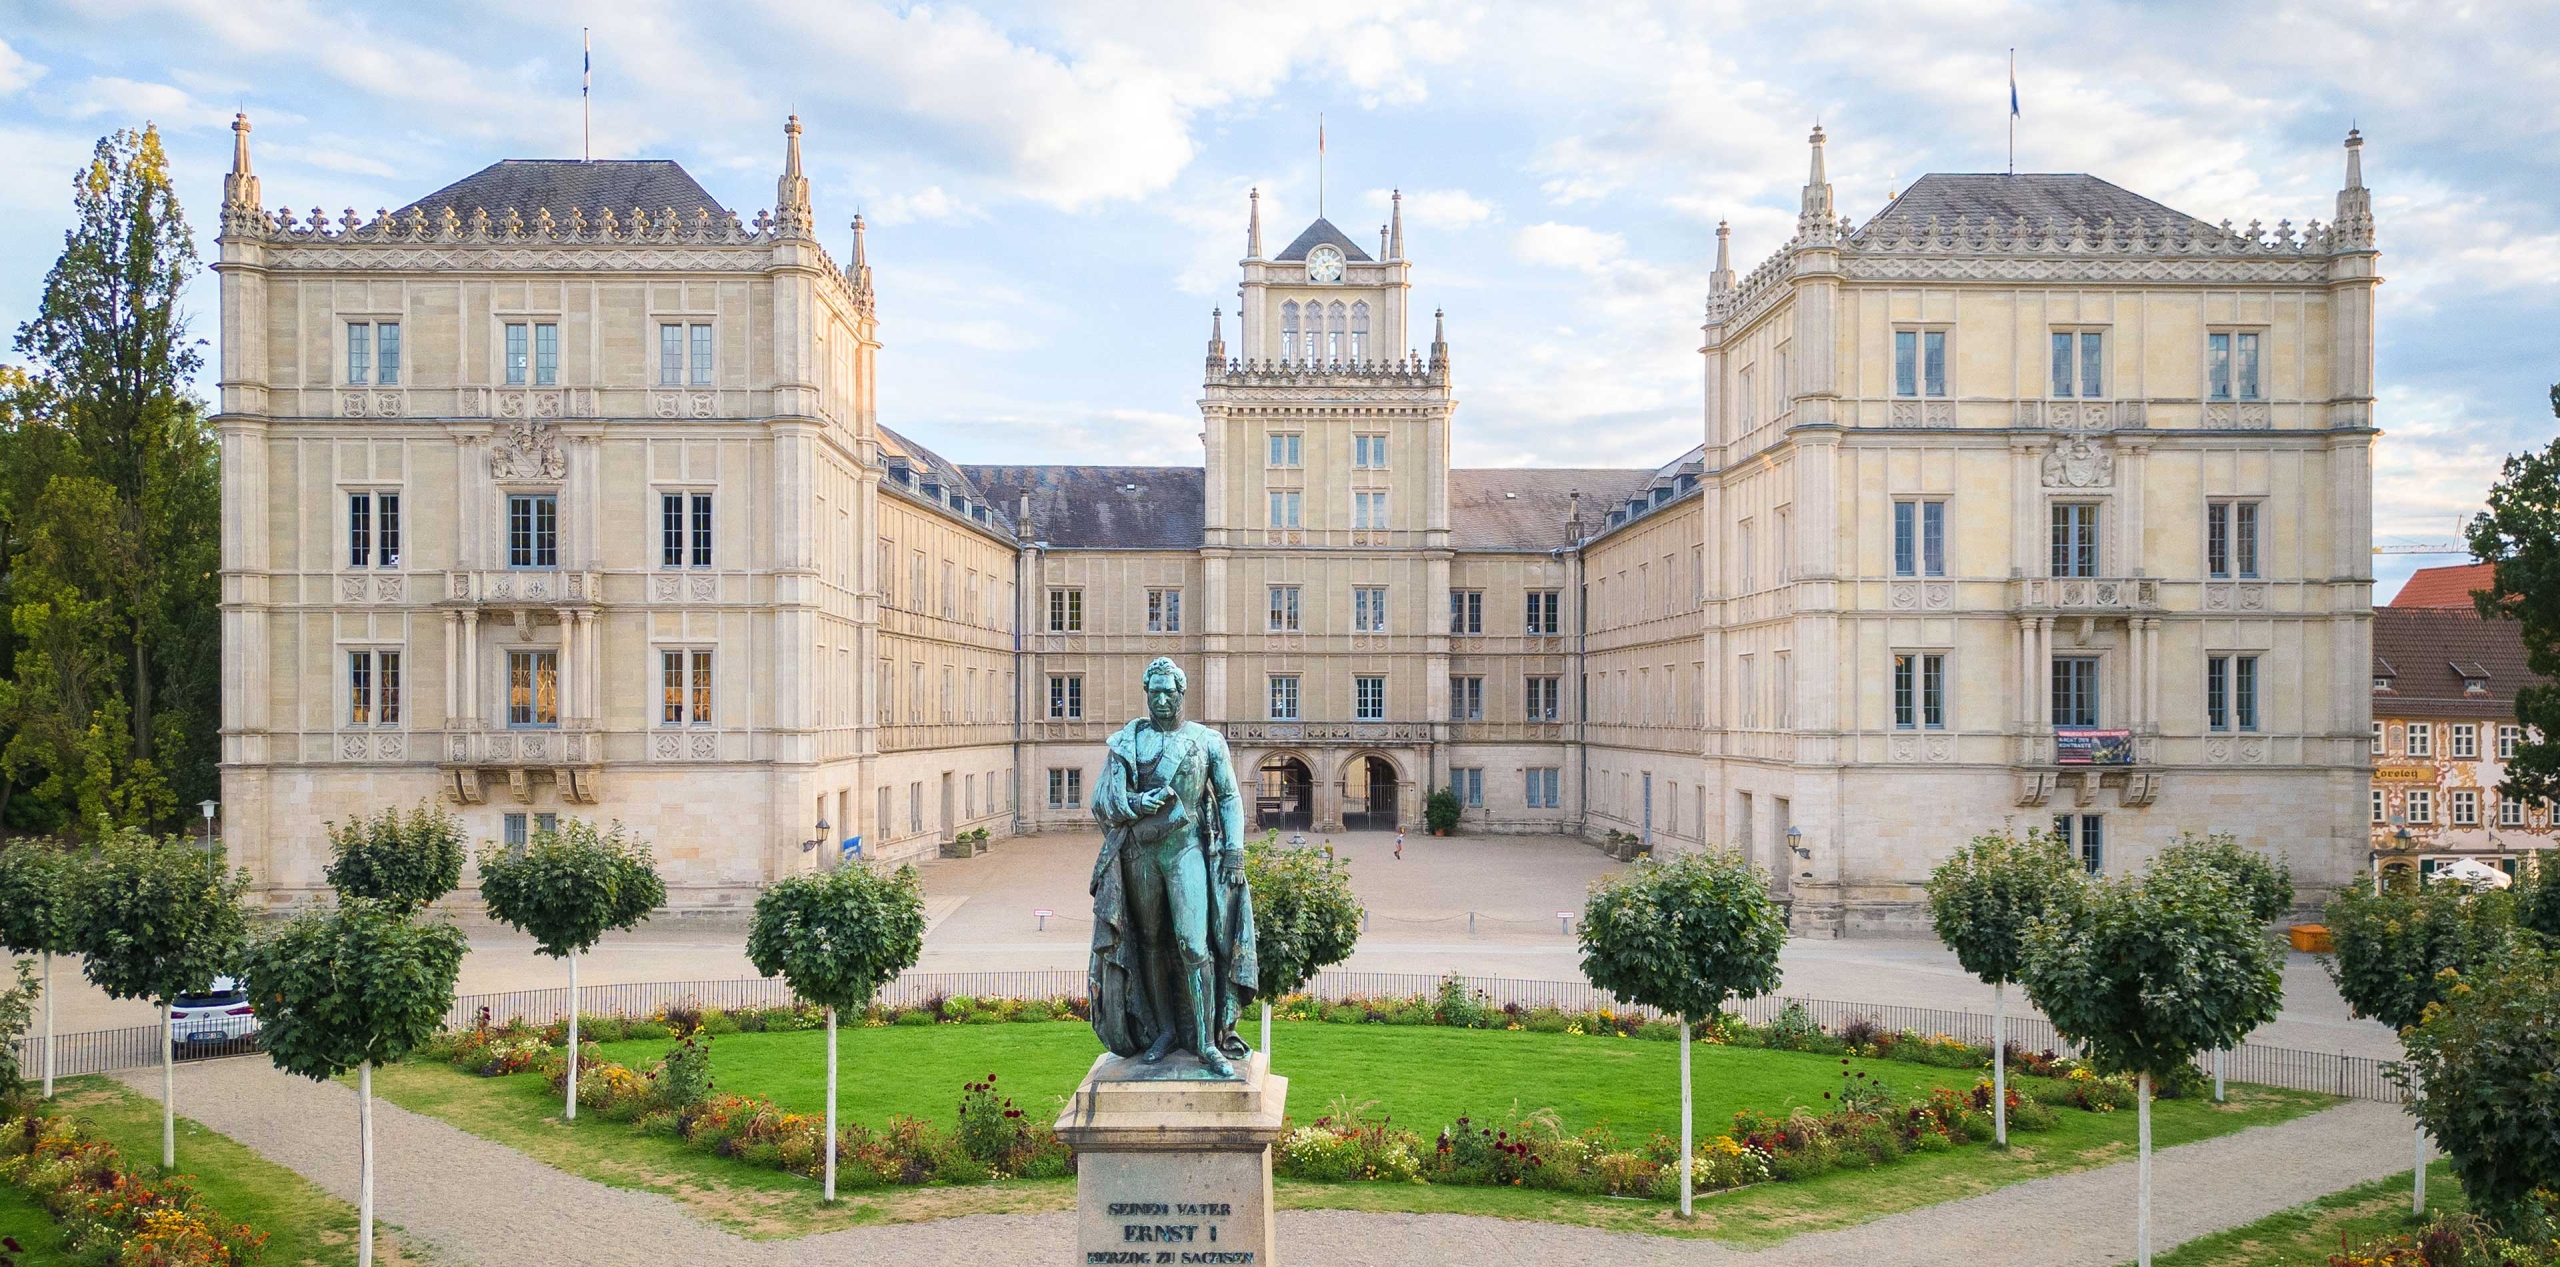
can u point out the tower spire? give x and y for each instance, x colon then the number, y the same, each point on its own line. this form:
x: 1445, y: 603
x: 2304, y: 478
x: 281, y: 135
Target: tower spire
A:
x: 1814, y: 216
x: 1721, y: 280
x: 1217, y: 340
x: 2355, y: 202
x: 859, y: 273
x: 240, y: 188
x: 1395, y: 225
x: 1253, y: 226
x: 791, y: 190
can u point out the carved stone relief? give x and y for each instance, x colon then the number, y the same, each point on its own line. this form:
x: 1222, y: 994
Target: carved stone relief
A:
x: 2078, y: 462
x: 530, y: 451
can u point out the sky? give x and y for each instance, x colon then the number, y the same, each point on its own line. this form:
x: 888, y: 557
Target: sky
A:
x: 1056, y: 191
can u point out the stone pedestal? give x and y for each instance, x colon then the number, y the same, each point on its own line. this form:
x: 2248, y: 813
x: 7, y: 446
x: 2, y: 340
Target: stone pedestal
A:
x: 1173, y: 1166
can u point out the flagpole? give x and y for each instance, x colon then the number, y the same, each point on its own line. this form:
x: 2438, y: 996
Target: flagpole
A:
x: 1319, y: 165
x: 2013, y: 110
x: 586, y: 86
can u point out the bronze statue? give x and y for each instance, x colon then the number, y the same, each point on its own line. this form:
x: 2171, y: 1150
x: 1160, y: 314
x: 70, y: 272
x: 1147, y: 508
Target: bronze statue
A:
x: 1173, y: 952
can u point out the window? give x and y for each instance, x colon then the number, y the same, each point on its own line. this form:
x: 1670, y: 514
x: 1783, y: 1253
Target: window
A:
x: 2075, y: 539
x: 1289, y: 333
x: 702, y: 356
x: 684, y: 529
x: 1284, y: 609
x: 1919, y: 692
x: 2231, y: 538
x: 2510, y: 810
x: 2422, y: 739
x: 2379, y: 815
x: 1285, y: 448
x: 1284, y: 509
x: 1368, y: 698
x: 1284, y: 697
x: 887, y: 816
x: 1066, y: 696
x: 533, y: 530
x: 533, y: 688
x: 2377, y: 739
x: 373, y: 688
x: 1466, y: 611
x: 1747, y: 678
x: 1545, y: 612
x: 915, y: 806
x: 546, y: 354
x: 540, y: 824
x: 1919, y: 362
x: 1919, y: 538
x: 1542, y: 699
x: 2079, y: 361
x: 373, y: 350
x: 1369, y: 453
x: 1466, y: 698
x: 1164, y: 611
x: 1368, y: 510
x: 1787, y: 693
x: 1746, y: 555
x: 2090, y: 841
x: 670, y: 355
x: 2075, y: 690
x: 2464, y: 804
x: 1066, y: 611
x: 2231, y: 365
x: 684, y: 684
x: 2508, y: 738
x: 1542, y: 788
x: 2421, y: 803
x: 1360, y: 338
x: 2466, y: 741
x: 516, y: 353
x: 373, y: 529
x: 1369, y: 609
x: 1066, y: 788
x: 1468, y: 783
x: 2231, y: 692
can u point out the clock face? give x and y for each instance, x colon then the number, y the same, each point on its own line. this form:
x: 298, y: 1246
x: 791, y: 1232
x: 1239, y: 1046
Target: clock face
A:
x: 1324, y: 264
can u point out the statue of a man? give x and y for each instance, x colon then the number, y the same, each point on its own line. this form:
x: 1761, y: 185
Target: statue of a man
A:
x: 1173, y: 951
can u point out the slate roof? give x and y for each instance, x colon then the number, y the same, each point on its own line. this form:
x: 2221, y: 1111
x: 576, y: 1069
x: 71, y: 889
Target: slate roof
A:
x: 2445, y: 586
x: 2425, y: 652
x: 1523, y: 509
x: 931, y: 467
x: 1319, y: 232
x: 2059, y: 196
x: 1104, y: 507
x: 530, y: 184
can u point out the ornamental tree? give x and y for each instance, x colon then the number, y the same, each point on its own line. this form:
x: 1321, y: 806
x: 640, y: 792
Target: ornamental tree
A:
x: 2267, y: 884
x: 154, y: 924
x: 2481, y: 1063
x: 1681, y: 937
x: 2537, y: 898
x: 2520, y: 533
x: 565, y: 889
x: 1305, y: 918
x: 837, y: 937
x: 2145, y: 972
x: 35, y: 916
x: 405, y: 861
x: 1982, y: 900
x: 350, y: 989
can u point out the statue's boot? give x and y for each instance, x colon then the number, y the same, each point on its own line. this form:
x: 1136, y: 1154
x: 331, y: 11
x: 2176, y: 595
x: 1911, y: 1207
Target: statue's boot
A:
x: 1161, y: 1047
x: 1204, y: 1022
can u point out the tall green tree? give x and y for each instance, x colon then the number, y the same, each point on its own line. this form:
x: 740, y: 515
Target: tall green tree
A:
x: 35, y: 915
x: 1305, y: 918
x: 406, y: 861
x: 2482, y: 1063
x: 1982, y: 900
x: 566, y: 888
x: 2520, y: 533
x: 114, y: 501
x: 2265, y: 884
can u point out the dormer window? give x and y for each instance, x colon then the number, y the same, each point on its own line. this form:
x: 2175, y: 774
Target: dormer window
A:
x: 2474, y: 675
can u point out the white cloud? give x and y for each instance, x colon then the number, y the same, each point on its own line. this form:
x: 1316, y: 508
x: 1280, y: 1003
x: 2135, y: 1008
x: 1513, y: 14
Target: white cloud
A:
x: 16, y: 72
x: 127, y: 102
x: 1571, y: 246
x: 932, y: 202
x: 1448, y: 210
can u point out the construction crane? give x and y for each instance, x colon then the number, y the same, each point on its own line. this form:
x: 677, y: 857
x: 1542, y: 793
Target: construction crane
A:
x: 2461, y: 524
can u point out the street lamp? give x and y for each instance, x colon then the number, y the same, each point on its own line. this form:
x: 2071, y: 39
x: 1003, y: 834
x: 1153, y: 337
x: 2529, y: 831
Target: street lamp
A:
x: 208, y: 807
x: 1795, y: 844
x: 813, y: 842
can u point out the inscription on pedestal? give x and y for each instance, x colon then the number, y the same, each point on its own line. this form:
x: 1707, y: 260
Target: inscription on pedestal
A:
x: 1193, y: 1226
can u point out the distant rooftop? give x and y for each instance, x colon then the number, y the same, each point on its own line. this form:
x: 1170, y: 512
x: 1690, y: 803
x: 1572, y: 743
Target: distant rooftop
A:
x: 2445, y: 586
x: 1104, y: 507
x: 1322, y: 231
x: 560, y: 184
x: 2061, y: 197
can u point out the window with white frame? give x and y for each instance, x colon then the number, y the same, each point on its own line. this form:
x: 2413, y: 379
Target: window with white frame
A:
x: 1286, y: 449
x: 1546, y: 613
x: 373, y: 353
x: 2422, y: 739
x: 2466, y: 741
x: 1468, y: 783
x: 2463, y: 806
x: 2231, y: 365
x: 2075, y: 690
x: 1286, y: 507
x: 2231, y: 538
x: 1368, y: 510
x: 2075, y: 539
x: 2378, y: 744
x: 1919, y: 691
x: 2510, y: 810
x: 2380, y: 802
x: 1066, y: 610
x: 1164, y: 611
x: 684, y: 354
x: 2421, y: 805
x: 533, y: 530
x: 1466, y: 611
x: 1919, y: 537
x: 1284, y: 697
x: 1368, y: 452
x: 373, y: 529
x: 2509, y: 737
x: 1543, y: 697
x: 373, y: 687
x: 1368, y: 609
x: 2231, y: 692
x: 2079, y: 363
x: 1066, y: 696
x: 684, y: 686
x: 1284, y: 609
x: 533, y: 688
x: 1368, y: 698
x: 1542, y: 788
x: 1466, y: 698
x: 1919, y: 363
x: 684, y: 530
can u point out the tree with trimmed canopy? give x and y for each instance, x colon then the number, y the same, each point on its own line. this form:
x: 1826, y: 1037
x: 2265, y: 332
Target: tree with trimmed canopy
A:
x: 1682, y: 937
x: 566, y: 888
x: 407, y: 861
x: 2265, y: 884
x: 1982, y: 900
x: 1305, y: 918
x: 837, y: 937
x: 2481, y: 1066
x: 35, y: 916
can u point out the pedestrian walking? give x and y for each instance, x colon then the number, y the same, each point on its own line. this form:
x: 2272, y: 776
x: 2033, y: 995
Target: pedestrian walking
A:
x: 1399, y: 845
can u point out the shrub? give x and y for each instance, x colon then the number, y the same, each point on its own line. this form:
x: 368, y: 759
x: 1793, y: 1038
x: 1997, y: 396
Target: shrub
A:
x: 1346, y: 1014
x: 718, y: 1023
x: 1546, y: 1020
x: 1036, y: 1010
x: 2033, y: 1116
x: 1659, y: 1031
x: 109, y: 1214
x: 683, y: 1078
x: 1793, y: 1030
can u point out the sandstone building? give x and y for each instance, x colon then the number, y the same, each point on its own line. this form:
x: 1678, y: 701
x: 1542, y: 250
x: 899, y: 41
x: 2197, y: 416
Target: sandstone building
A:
x: 2028, y: 501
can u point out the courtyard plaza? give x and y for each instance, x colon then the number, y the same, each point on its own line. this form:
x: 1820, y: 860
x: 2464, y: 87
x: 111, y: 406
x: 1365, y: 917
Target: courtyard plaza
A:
x: 981, y: 919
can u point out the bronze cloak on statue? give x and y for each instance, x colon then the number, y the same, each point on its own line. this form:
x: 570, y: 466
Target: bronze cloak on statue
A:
x: 1121, y: 1016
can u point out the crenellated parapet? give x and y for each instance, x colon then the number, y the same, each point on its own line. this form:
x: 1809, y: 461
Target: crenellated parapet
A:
x: 1407, y: 371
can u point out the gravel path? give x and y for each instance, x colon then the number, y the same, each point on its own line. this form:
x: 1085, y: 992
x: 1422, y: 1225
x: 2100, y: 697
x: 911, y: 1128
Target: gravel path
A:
x: 476, y: 1202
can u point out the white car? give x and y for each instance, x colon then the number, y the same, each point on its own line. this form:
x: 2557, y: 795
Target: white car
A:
x: 218, y: 1014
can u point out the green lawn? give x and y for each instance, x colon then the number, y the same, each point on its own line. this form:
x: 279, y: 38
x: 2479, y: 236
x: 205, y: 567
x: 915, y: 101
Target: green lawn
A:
x: 1422, y: 1075
x: 305, y: 1226
x: 2306, y: 1235
x: 22, y: 1218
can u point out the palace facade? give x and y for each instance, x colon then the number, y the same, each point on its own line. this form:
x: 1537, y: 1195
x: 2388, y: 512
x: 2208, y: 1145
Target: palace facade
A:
x: 2026, y: 502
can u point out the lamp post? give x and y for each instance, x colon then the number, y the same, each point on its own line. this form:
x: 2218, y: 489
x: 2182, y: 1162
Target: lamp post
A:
x: 811, y: 844
x: 209, y: 872
x: 1795, y: 845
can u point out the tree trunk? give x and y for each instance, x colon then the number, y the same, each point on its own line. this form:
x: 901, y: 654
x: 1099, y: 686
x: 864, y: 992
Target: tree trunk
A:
x: 572, y: 1110
x: 168, y: 1094
x: 1685, y: 1149
x: 2418, y: 1196
x: 831, y: 1104
x: 2142, y: 1208
x: 2217, y: 1075
x: 48, y: 1024
x: 1266, y: 1030
x: 364, y: 1179
x: 1999, y: 1066
x: 141, y: 691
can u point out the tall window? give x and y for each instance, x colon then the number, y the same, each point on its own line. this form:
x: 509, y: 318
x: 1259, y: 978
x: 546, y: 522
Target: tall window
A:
x: 1335, y: 327
x: 2421, y: 804
x: 2075, y: 539
x: 1466, y: 698
x: 2466, y: 741
x: 1284, y: 509
x: 2231, y: 538
x: 670, y: 355
x: 1545, y: 612
x: 1468, y: 783
x: 1542, y: 788
x: 373, y: 529
x: 373, y: 688
x: 1919, y: 538
x: 2231, y: 692
x: 2087, y: 835
x: 2380, y: 813
x: 1164, y: 611
x: 1284, y: 610
x: 546, y: 354
x: 701, y: 355
x: 373, y: 352
x: 2377, y: 739
x: 1066, y: 697
x: 2422, y: 739
x: 1466, y: 611
x: 1287, y: 448
x: 915, y: 806
x: 1066, y: 611
x: 1284, y: 697
x: 1368, y: 698
x: 684, y: 687
x: 1369, y: 453
x: 2079, y: 363
x: 1368, y: 510
x: 2510, y: 810
x: 1919, y: 691
x: 533, y: 530
x: 2231, y: 365
x: 1066, y: 788
x: 1360, y: 331
x: 2509, y: 738
x: 1919, y: 362
x: 1369, y: 609
x: 533, y: 688
x: 684, y: 529
x: 2464, y: 802
x: 518, y: 356
x: 2075, y: 690
x: 1289, y: 333
x: 1542, y: 699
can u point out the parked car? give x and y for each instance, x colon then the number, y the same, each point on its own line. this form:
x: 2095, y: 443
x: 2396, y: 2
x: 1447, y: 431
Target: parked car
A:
x: 219, y: 1013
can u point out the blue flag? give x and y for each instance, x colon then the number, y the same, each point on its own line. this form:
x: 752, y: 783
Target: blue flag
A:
x: 2013, y: 84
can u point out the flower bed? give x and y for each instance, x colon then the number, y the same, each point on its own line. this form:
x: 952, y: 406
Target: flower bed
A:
x: 110, y: 1214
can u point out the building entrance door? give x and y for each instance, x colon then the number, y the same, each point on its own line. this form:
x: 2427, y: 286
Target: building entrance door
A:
x: 1378, y: 805
x: 1285, y: 797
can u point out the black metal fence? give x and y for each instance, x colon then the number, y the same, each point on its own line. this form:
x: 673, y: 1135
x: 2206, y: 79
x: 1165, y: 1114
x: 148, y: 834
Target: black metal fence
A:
x: 2355, y: 1077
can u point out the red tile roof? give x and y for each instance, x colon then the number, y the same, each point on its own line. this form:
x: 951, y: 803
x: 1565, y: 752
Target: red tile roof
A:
x: 2426, y: 658
x: 2445, y: 586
